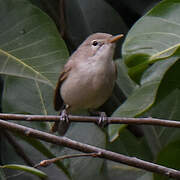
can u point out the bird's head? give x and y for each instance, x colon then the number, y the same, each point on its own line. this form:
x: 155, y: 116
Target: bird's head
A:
x: 98, y: 44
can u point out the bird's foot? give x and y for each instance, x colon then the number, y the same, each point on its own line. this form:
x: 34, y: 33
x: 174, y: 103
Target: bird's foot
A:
x: 103, y: 120
x: 64, y: 116
x: 62, y: 124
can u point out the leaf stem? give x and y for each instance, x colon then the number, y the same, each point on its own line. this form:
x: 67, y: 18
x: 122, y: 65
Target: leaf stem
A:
x: 156, y: 57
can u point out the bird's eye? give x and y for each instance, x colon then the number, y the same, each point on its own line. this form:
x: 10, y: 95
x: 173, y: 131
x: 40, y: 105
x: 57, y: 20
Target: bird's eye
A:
x: 94, y: 43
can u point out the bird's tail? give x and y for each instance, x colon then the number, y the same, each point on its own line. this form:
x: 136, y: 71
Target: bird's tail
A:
x: 61, y: 127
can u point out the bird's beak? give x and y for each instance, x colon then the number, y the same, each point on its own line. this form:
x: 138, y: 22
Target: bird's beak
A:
x: 115, y: 38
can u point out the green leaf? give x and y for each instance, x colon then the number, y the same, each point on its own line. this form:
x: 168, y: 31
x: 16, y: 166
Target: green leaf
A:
x: 152, y: 139
x: 121, y: 171
x: 167, y: 102
x: 154, y: 37
x: 149, y: 40
x: 142, y: 97
x: 168, y: 157
x: 166, y: 107
x: 130, y: 145
x: 26, y: 169
x: 123, y: 80
x: 31, y: 56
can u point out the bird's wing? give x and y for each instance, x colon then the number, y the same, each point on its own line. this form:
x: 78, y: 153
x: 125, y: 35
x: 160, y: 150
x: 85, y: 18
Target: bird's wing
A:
x: 58, y: 101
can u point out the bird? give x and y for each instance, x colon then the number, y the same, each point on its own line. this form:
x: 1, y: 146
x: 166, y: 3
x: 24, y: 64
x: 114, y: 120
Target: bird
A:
x: 87, y: 79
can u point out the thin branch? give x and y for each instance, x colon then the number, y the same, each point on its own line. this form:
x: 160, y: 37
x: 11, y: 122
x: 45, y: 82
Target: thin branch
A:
x: 89, y: 119
x: 63, y: 141
x: 48, y: 162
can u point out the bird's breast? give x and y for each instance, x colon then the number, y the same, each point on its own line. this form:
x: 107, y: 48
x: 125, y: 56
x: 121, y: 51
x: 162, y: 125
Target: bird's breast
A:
x: 89, y: 84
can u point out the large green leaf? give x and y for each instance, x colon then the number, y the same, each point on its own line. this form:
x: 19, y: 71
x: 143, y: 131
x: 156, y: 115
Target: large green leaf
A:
x: 142, y: 97
x: 154, y: 37
x: 129, y: 145
x: 166, y: 107
x: 31, y: 56
x: 168, y: 157
x: 123, y: 79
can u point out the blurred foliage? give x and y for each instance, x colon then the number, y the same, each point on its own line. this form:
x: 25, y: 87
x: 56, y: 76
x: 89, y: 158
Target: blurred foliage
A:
x: 36, y: 38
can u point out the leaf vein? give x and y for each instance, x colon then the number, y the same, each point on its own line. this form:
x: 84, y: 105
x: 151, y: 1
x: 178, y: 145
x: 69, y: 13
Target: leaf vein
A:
x: 41, y: 98
x: 31, y: 44
x: 25, y: 65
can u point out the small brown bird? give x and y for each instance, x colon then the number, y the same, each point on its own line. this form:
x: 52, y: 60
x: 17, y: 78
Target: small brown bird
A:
x: 87, y: 79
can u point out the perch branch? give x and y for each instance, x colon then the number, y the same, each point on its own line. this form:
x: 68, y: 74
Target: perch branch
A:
x: 89, y: 119
x: 63, y: 141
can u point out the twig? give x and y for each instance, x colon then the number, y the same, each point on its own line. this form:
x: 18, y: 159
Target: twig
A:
x: 63, y: 141
x: 47, y: 162
x: 89, y: 119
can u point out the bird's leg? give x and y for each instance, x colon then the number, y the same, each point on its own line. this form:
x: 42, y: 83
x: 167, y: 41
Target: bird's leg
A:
x: 64, y: 116
x: 64, y: 121
x: 63, y: 124
x: 103, y: 119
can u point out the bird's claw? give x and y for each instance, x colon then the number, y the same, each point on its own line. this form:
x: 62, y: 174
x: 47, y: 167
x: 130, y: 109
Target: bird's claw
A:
x: 103, y: 120
x: 64, y: 117
x: 62, y: 124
